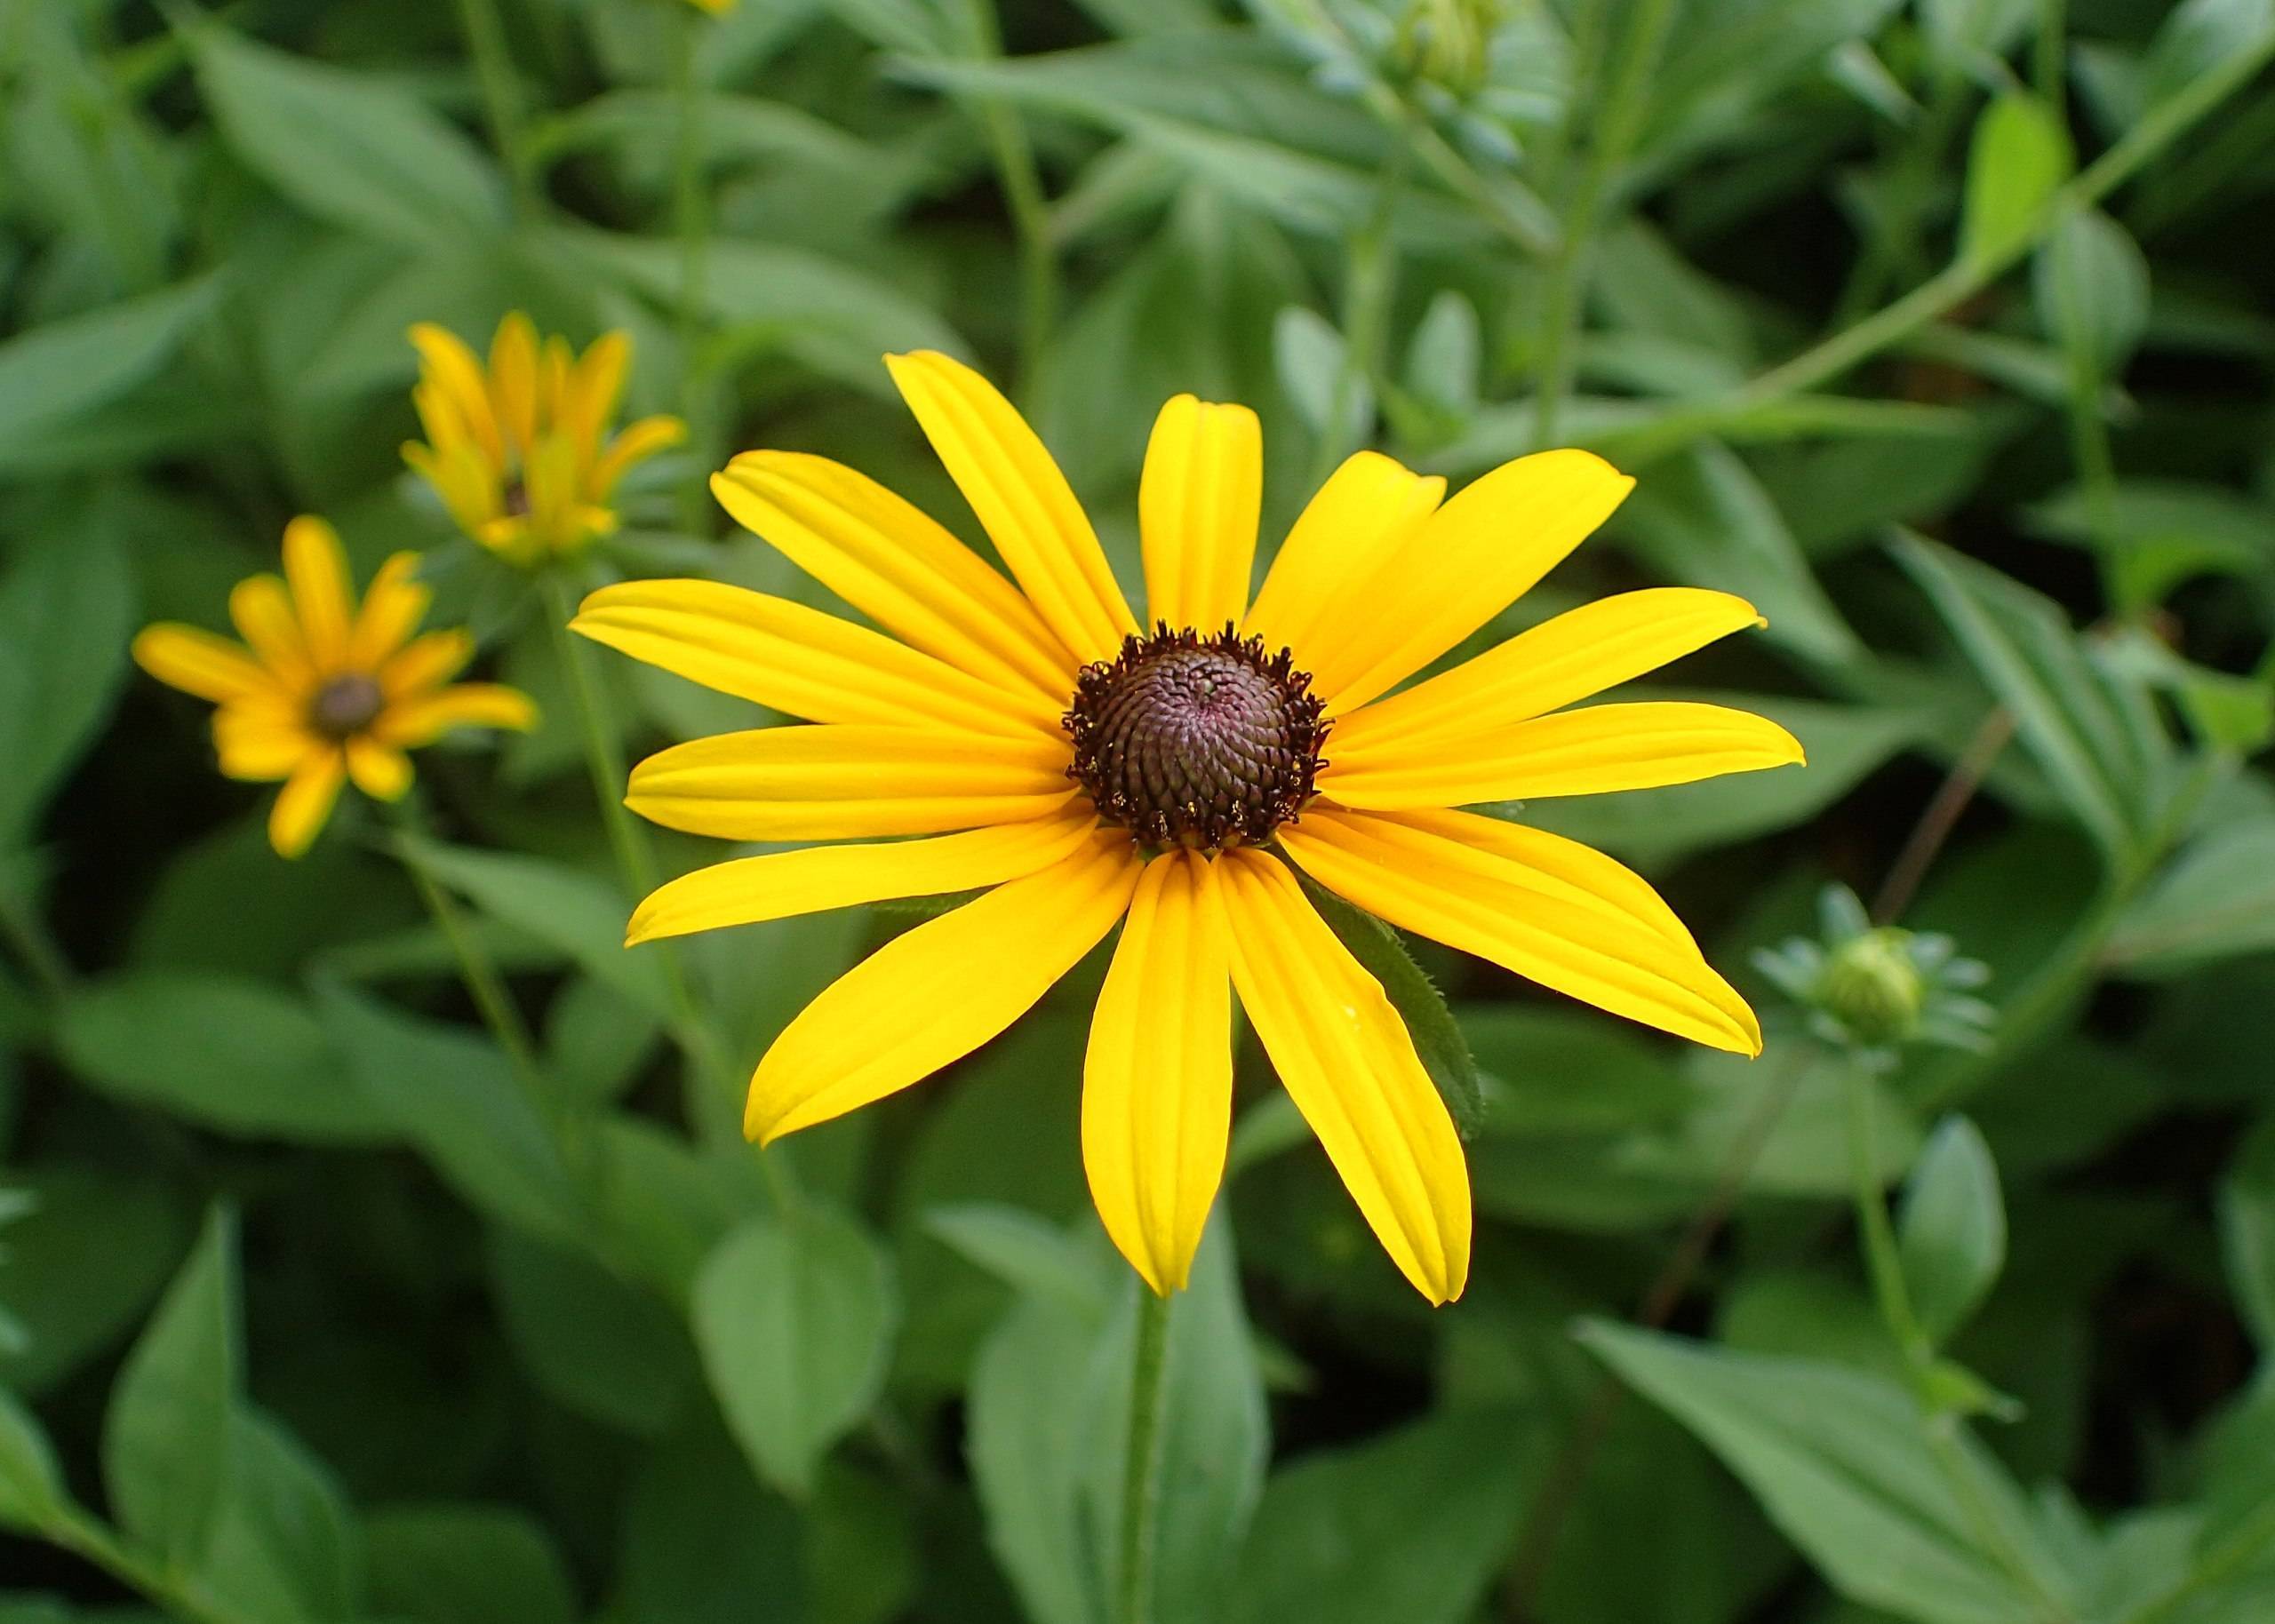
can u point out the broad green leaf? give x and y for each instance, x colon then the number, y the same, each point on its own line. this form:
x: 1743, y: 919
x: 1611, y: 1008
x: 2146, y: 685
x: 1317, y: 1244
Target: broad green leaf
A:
x: 32, y: 1494
x: 1317, y: 378
x: 79, y: 1268
x: 1437, y: 1039
x: 795, y: 1319
x: 59, y: 372
x: 1848, y: 1466
x: 597, y: 1345
x: 223, y: 1051
x: 1027, y: 1253
x: 442, y: 1563
x: 1952, y: 1234
x: 863, y: 1559
x: 2158, y: 533
x: 67, y: 612
x: 452, y: 1094
x: 1972, y: 34
x: 2199, y: 36
x: 2247, y: 1199
x: 1443, y: 358
x: 1380, y: 1532
x: 579, y: 913
x: 347, y: 147
x: 702, y: 1543
x: 2020, y: 154
x: 169, y: 1433
x: 2089, y: 283
x: 285, y: 1546
x: 2214, y: 901
x: 1553, y: 1073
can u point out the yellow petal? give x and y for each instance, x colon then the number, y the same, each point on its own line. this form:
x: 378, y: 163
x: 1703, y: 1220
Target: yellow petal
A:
x: 260, y: 743
x: 898, y: 567
x: 1574, y: 655
x: 425, y: 661
x: 1591, y: 752
x: 1366, y: 510
x: 421, y: 719
x: 1472, y: 558
x: 933, y: 994
x: 1157, y: 1082
x: 1021, y: 498
x: 393, y: 606
x: 305, y: 801
x: 589, y: 394
x: 1197, y: 503
x: 1345, y: 1059
x: 782, y: 884
x: 316, y: 570
x: 379, y: 770
x: 555, y: 359
x: 831, y: 782
x: 1548, y: 909
x: 796, y: 659
x: 638, y: 443
x: 197, y: 662
x: 458, y: 380
x: 262, y: 610
x: 513, y: 379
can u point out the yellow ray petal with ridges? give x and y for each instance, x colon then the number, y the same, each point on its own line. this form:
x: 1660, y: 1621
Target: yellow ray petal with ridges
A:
x: 1592, y: 752
x: 315, y: 568
x: 1575, y: 656
x: 1021, y: 499
x: 197, y: 662
x: 898, y: 566
x: 1543, y: 907
x: 783, y: 884
x: 1345, y: 1057
x: 934, y: 993
x: 1471, y: 559
x: 835, y: 782
x: 422, y: 718
x: 394, y: 605
x: 259, y: 744
x: 463, y: 387
x: 305, y: 802
x: 1364, y: 513
x: 379, y: 770
x: 1157, y: 1080
x: 798, y: 660
x: 1197, y: 505
x: 261, y: 608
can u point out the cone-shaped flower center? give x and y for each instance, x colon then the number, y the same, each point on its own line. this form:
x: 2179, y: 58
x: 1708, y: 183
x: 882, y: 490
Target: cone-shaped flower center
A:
x: 346, y: 705
x: 1188, y: 740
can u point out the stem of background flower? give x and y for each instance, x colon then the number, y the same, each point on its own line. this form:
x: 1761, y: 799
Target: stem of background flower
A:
x: 1141, y: 1477
x: 2046, y: 58
x: 693, y: 1028
x: 1365, y: 314
x: 1023, y: 194
x: 692, y: 218
x: 1618, y: 120
x: 1875, y: 1234
x: 502, y: 99
x: 1941, y: 816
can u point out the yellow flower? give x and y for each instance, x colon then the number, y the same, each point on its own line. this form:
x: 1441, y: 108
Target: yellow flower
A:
x: 326, y: 691
x: 521, y: 453
x: 1046, y: 747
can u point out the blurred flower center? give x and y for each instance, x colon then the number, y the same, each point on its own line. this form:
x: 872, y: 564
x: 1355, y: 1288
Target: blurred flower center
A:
x: 346, y: 705
x: 1204, y: 742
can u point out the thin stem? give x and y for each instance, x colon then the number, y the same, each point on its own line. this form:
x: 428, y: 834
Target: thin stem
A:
x: 1022, y: 195
x: 1941, y: 816
x: 1365, y: 314
x: 502, y: 97
x: 1141, y: 1482
x: 2048, y: 56
x: 1617, y: 122
x: 692, y: 218
x: 1877, y: 1235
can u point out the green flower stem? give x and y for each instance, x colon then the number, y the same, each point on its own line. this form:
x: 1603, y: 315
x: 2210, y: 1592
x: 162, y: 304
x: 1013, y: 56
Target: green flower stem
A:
x: 502, y: 96
x: 1890, y: 1293
x: 692, y: 219
x: 2047, y: 57
x: 1023, y: 194
x: 1368, y: 281
x: 1619, y: 118
x: 693, y: 1028
x: 1141, y: 1478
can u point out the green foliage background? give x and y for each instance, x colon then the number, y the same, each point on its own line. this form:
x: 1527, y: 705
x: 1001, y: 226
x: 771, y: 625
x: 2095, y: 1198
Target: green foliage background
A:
x: 1940, y: 329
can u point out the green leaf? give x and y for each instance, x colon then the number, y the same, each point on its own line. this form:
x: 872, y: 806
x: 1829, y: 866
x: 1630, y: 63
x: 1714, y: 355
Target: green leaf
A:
x: 1442, y: 359
x: 1311, y: 362
x: 1952, y: 1234
x: 795, y: 1319
x: 2020, y: 155
x: 285, y: 1546
x: 702, y: 1542
x: 81, y: 1266
x: 347, y: 147
x: 223, y: 1051
x: 2089, y: 283
x: 59, y: 372
x: 1437, y: 1036
x: 442, y: 1563
x: 2247, y: 1199
x: 168, y: 1435
x: 32, y: 1494
x: 1553, y: 1073
x: 1027, y: 1253
x: 67, y: 611
x: 1844, y: 1464
x: 1375, y: 1532
x: 2214, y: 901
x: 579, y: 913
x: 598, y: 1345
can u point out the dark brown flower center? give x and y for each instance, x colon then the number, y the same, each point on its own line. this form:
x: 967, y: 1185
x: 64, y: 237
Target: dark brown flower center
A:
x: 346, y: 705
x: 1187, y: 740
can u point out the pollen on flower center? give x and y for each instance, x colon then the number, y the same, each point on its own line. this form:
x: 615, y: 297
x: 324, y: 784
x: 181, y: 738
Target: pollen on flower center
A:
x: 346, y: 705
x: 1198, y: 741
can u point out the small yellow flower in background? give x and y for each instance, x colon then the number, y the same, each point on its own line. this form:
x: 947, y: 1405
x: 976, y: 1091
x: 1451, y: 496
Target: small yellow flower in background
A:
x: 1091, y: 772
x: 326, y: 691
x: 520, y: 452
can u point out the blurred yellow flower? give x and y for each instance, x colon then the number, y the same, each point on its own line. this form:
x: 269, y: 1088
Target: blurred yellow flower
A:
x: 1092, y: 773
x: 520, y: 452
x: 326, y: 691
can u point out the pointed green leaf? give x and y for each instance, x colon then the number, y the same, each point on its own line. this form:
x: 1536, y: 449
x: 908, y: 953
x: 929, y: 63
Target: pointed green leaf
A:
x: 1952, y: 1234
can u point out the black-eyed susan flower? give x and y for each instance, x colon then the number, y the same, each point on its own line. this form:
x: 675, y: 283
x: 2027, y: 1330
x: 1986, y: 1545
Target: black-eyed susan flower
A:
x: 322, y: 691
x: 519, y: 451
x: 1037, y: 740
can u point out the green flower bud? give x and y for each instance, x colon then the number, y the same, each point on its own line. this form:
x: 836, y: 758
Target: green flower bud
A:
x: 1873, y: 986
